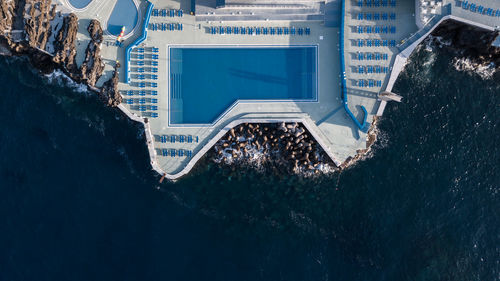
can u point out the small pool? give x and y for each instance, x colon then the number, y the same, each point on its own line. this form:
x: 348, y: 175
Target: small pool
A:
x: 80, y: 4
x: 205, y: 82
x: 124, y: 14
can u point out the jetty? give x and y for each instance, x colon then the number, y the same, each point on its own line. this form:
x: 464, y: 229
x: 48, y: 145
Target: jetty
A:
x: 191, y: 70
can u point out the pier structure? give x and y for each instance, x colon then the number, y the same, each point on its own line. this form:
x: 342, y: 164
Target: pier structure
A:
x: 361, y: 47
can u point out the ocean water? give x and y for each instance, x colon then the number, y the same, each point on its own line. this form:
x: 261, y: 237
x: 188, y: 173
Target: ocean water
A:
x: 79, y: 201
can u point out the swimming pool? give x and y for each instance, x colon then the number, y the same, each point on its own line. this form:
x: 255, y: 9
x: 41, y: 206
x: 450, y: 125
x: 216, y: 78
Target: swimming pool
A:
x: 79, y: 4
x: 206, y: 81
x: 124, y: 14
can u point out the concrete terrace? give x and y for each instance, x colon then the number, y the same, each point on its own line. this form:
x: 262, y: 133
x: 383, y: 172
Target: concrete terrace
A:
x: 371, y: 41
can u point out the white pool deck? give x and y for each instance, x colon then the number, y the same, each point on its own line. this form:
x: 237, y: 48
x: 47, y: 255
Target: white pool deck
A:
x: 326, y: 119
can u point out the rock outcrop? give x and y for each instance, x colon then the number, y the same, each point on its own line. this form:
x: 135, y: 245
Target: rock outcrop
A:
x: 109, y: 91
x: 469, y: 42
x: 64, y: 46
x: 7, y: 9
x: 38, y: 15
x: 34, y: 28
x: 92, y: 67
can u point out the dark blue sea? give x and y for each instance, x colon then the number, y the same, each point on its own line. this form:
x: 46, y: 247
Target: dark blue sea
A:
x: 78, y: 199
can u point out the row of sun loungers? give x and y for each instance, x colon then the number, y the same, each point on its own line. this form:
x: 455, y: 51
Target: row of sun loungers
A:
x: 140, y: 92
x: 146, y: 76
x: 260, y: 30
x: 369, y: 83
x: 165, y: 26
x: 376, y: 43
x: 376, y: 3
x: 146, y: 84
x: 376, y: 16
x: 165, y: 12
x: 375, y: 29
x: 372, y: 56
x: 143, y: 63
x: 480, y: 9
x: 176, y: 152
x: 145, y: 69
x: 141, y: 50
x: 369, y: 69
x: 143, y: 108
x: 141, y: 101
x: 179, y: 138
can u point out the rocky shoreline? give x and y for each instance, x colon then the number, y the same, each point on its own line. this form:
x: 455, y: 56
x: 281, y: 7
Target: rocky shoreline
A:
x: 34, y: 29
x: 471, y: 43
x: 288, y: 147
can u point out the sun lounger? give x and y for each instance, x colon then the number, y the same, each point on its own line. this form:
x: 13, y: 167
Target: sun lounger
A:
x: 181, y: 138
x: 265, y: 31
x: 300, y: 31
x: 172, y: 138
x: 376, y: 16
x: 154, y: 100
x: 154, y: 114
x: 361, y: 69
x: 292, y: 30
x: 308, y: 31
x: 164, y: 152
x: 361, y: 56
x: 190, y: 139
x: 172, y: 152
x: 272, y: 31
x: 154, y: 93
x: 360, y: 29
x: 368, y: 16
x: 384, y: 16
x: 243, y: 30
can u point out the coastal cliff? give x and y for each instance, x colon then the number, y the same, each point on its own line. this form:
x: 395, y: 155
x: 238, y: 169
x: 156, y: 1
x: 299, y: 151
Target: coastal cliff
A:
x: 35, y: 29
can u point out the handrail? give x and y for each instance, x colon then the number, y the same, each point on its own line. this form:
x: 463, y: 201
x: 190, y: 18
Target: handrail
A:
x: 137, y: 41
x: 362, y: 126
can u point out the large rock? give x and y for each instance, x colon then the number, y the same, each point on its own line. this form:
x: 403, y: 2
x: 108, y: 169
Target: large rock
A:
x: 92, y: 67
x: 109, y: 92
x: 38, y: 14
x: 64, y: 45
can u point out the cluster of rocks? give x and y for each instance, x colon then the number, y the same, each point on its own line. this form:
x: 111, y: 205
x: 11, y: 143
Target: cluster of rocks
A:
x: 470, y: 42
x: 35, y: 29
x: 289, y: 145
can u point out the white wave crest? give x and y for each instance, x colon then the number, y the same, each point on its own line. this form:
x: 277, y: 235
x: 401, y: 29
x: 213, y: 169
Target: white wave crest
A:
x: 58, y: 77
x: 484, y: 71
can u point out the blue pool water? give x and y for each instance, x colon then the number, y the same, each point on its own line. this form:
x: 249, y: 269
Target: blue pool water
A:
x: 204, y: 82
x: 124, y: 14
x: 79, y: 4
